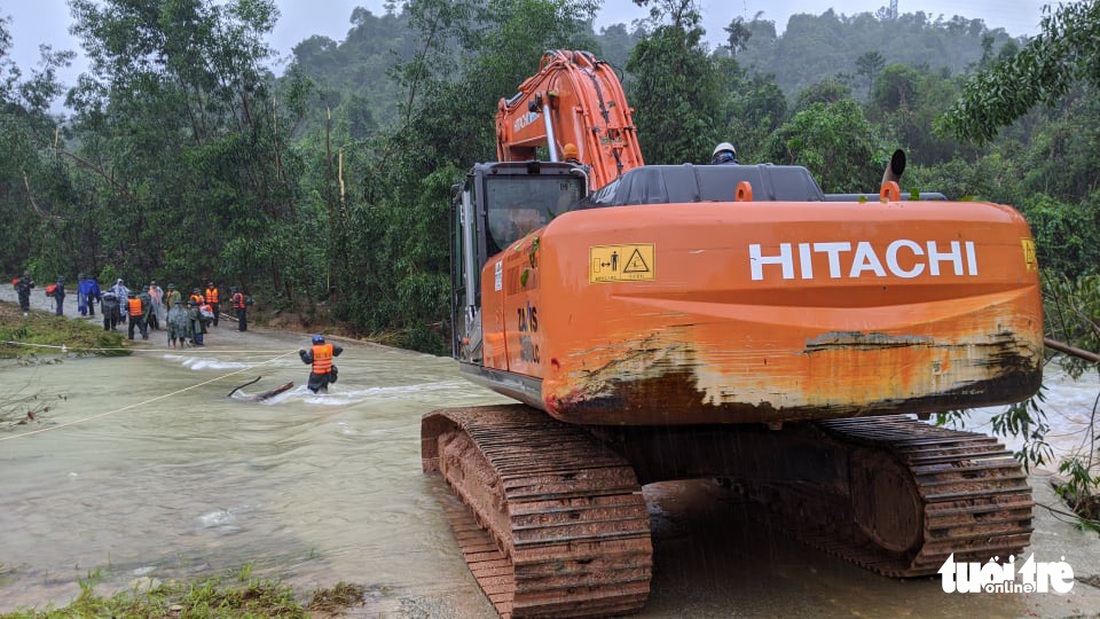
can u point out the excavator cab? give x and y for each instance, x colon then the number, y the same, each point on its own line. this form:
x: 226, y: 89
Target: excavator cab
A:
x: 497, y: 205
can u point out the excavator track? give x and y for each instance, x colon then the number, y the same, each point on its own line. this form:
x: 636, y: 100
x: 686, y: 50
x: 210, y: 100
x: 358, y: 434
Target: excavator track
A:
x: 915, y: 494
x: 552, y: 523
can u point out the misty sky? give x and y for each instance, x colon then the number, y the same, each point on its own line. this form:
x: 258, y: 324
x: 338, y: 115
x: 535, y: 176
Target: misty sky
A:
x: 47, y: 21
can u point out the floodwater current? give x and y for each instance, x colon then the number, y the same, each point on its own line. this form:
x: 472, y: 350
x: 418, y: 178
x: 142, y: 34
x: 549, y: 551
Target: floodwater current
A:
x: 141, y: 467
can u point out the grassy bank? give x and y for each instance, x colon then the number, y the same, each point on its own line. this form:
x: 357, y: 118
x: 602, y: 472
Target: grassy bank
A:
x: 40, y: 334
x: 239, y: 596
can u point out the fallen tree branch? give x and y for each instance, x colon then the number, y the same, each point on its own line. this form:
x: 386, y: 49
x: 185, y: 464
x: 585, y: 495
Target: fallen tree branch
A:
x: 271, y: 392
x: 1071, y: 350
x: 30, y: 198
x: 255, y: 380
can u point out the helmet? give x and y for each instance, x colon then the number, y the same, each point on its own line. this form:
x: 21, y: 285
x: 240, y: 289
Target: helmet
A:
x: 318, y: 339
x: 724, y: 146
x: 569, y: 151
x: 724, y: 153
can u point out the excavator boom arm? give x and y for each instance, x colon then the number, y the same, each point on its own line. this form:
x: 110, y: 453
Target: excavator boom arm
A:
x: 573, y: 99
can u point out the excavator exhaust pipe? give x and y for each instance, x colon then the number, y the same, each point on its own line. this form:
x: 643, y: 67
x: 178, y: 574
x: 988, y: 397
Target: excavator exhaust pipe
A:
x: 896, y: 167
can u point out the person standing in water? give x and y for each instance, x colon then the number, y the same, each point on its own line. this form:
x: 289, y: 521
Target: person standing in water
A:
x: 320, y: 356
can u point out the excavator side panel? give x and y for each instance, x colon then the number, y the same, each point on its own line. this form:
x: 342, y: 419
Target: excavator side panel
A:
x: 766, y: 312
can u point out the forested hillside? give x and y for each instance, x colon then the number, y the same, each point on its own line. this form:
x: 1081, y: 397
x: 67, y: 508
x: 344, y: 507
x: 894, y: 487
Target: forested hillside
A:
x: 324, y: 190
x: 852, y: 48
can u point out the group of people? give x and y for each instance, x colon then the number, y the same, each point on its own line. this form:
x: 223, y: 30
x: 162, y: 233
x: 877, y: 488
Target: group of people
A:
x: 151, y: 308
x: 186, y: 322
x: 23, y: 286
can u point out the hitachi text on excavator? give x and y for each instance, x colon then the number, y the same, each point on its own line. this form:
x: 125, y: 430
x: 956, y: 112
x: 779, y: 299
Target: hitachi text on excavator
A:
x: 728, y: 322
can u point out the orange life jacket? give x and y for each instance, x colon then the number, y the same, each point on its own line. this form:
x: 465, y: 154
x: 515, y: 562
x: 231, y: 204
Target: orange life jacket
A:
x: 197, y: 298
x: 238, y: 301
x: 212, y: 295
x: 322, y: 358
x: 135, y: 306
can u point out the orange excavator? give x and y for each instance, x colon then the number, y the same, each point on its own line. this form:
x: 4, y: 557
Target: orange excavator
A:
x: 722, y: 321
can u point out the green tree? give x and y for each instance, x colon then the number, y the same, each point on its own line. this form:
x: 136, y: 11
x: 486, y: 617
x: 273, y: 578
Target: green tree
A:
x: 615, y: 43
x: 755, y: 108
x: 828, y: 91
x: 869, y: 65
x: 814, y: 47
x: 1064, y: 53
x: 1065, y: 234
x: 906, y: 101
x: 737, y: 35
x: 31, y: 185
x: 1061, y: 158
x: 836, y: 143
x: 186, y: 141
x: 676, y: 91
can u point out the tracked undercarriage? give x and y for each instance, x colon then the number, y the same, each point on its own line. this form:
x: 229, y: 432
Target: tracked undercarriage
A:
x: 554, y: 523
x: 557, y: 525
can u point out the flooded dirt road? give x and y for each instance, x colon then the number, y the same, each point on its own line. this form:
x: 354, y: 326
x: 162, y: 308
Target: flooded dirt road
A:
x: 141, y: 467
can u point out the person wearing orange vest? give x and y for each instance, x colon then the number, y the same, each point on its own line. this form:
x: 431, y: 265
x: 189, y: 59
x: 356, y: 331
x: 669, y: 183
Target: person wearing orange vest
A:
x: 320, y: 356
x: 240, y: 307
x: 136, y: 311
x: 212, y: 300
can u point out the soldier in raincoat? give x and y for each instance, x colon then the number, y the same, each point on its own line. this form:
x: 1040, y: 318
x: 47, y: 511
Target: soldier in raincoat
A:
x: 147, y: 317
x: 177, y: 323
x: 110, y: 308
x: 122, y: 293
x: 194, y: 324
x: 87, y: 295
x: 157, y: 317
x: 172, y: 296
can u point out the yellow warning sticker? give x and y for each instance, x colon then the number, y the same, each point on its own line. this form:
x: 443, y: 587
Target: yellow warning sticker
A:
x: 621, y: 263
x: 1030, y: 260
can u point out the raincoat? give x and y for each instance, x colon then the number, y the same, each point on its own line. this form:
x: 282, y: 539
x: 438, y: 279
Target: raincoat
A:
x: 160, y: 310
x: 178, y: 322
x: 87, y: 293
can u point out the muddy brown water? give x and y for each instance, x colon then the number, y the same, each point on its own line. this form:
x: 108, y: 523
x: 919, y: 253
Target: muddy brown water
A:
x: 142, y: 468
